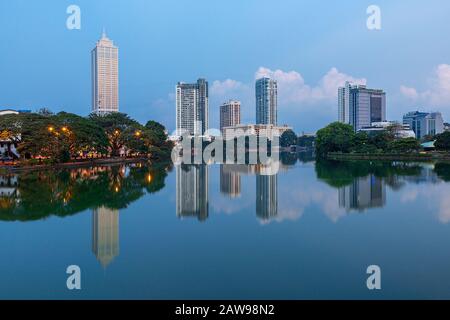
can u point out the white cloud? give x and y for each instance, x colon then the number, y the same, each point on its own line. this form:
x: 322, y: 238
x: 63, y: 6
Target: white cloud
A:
x: 293, y: 88
x: 438, y: 92
x: 226, y: 87
x: 409, y: 93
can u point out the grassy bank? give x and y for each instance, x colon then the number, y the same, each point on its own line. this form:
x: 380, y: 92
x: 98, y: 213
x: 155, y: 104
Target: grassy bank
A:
x: 74, y: 164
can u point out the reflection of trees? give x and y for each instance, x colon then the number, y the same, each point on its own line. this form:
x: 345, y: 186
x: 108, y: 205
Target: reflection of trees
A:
x: 342, y: 173
x: 67, y: 192
x: 443, y: 171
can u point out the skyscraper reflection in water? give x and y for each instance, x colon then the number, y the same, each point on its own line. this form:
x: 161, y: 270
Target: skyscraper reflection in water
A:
x: 192, y: 191
x: 266, y: 196
x: 230, y: 181
x: 364, y: 193
x: 105, y: 235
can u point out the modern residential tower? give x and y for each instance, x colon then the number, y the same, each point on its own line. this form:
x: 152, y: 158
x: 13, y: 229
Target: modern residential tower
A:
x: 105, y: 76
x: 230, y: 114
x: 266, y: 91
x: 344, y: 103
x: 192, y: 107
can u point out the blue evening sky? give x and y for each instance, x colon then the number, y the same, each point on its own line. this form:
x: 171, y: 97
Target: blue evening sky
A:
x: 314, y: 45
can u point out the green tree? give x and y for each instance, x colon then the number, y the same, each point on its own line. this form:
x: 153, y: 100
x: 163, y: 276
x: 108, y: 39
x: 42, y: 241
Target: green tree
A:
x: 121, y: 130
x: 443, y: 141
x: 82, y: 135
x: 404, y: 145
x: 306, y: 141
x: 336, y: 137
x: 288, y: 138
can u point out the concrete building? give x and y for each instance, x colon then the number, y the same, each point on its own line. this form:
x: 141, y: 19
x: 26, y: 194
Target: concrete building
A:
x: 424, y: 123
x: 266, y: 91
x: 192, y: 104
x: 344, y: 102
x: 105, y: 77
x: 230, y: 114
x: 366, y: 106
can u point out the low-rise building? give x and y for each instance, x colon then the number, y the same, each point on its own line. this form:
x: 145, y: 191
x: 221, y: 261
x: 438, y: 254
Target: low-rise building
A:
x: 401, y: 131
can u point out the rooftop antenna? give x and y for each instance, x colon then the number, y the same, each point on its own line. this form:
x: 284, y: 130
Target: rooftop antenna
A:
x: 104, y: 33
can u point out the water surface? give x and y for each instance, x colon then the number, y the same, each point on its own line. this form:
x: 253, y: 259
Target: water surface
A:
x: 228, y: 231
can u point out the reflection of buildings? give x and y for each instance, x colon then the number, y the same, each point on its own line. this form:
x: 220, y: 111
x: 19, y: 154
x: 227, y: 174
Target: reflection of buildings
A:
x: 266, y: 196
x: 105, y: 235
x: 363, y: 193
x: 230, y: 181
x: 192, y: 191
x: 8, y: 186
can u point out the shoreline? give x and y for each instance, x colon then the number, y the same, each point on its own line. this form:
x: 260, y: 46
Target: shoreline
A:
x: 71, y: 165
x: 389, y: 157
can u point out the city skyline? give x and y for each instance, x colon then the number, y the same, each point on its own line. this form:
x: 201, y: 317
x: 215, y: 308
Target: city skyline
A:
x: 308, y: 73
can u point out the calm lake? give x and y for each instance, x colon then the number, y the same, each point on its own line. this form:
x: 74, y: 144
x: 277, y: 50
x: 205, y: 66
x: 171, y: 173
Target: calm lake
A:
x: 228, y: 231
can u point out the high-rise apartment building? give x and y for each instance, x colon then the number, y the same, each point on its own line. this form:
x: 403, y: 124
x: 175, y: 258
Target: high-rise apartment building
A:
x: 366, y: 106
x: 344, y: 103
x: 266, y: 91
x: 192, y: 107
x: 230, y: 114
x: 105, y: 76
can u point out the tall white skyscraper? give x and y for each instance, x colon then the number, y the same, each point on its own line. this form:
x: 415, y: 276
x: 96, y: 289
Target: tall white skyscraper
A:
x: 105, y: 76
x: 266, y: 91
x: 192, y: 107
x: 344, y: 103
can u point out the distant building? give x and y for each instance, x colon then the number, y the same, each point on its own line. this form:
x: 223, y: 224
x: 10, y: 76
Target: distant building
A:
x: 266, y: 91
x: 105, y: 77
x: 192, y: 107
x: 269, y: 131
x: 344, y: 102
x: 424, y: 123
x: 401, y: 131
x: 230, y: 114
x: 366, y: 106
